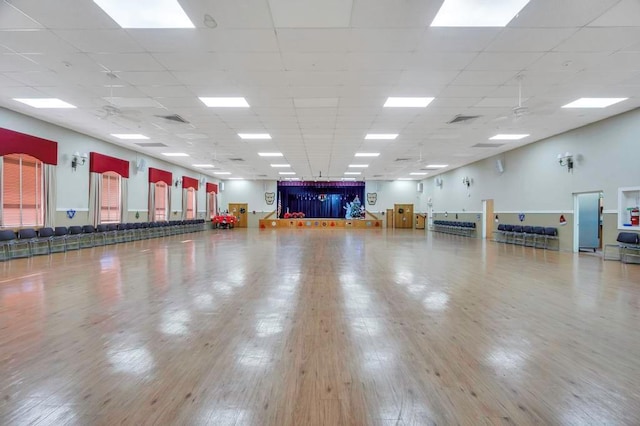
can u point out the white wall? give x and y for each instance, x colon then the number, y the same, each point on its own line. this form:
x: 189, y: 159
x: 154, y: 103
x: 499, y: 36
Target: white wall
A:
x: 607, y: 157
x: 395, y: 192
x: 250, y: 192
x: 73, y: 186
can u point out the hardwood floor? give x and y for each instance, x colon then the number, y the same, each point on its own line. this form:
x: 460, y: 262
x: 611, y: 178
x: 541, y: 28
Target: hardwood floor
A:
x: 327, y: 327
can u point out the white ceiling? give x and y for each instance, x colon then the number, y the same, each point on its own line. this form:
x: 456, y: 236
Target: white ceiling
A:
x: 316, y: 74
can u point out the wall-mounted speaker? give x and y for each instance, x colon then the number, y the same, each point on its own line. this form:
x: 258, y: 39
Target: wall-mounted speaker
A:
x: 420, y: 187
x: 221, y: 186
x: 141, y: 165
x: 499, y: 166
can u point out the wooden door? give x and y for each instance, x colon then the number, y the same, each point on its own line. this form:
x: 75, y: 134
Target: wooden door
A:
x: 389, y: 218
x: 403, y: 215
x: 489, y: 219
x: 239, y: 210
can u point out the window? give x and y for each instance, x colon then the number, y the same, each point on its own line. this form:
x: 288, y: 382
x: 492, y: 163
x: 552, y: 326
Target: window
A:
x: 211, y: 200
x: 110, y: 212
x: 161, y: 197
x: 22, y: 194
x: 191, y: 203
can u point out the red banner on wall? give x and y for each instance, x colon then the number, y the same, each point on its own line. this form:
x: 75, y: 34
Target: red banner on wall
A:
x: 12, y: 142
x: 100, y: 163
x: 157, y: 175
x: 188, y: 182
x: 212, y: 187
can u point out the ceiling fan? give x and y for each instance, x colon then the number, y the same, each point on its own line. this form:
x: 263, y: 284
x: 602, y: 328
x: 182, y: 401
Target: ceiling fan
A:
x: 519, y: 110
x: 111, y: 111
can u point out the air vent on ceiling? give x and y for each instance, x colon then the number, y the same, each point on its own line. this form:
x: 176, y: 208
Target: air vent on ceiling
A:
x: 402, y: 159
x: 151, y: 144
x: 173, y: 117
x: 377, y: 176
x: 487, y: 145
x: 462, y: 118
x: 261, y: 175
x: 236, y: 159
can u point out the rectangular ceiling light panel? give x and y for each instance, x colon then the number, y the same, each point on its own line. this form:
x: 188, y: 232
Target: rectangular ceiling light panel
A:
x: 225, y: 102
x: 477, y: 13
x: 594, y: 102
x: 381, y: 136
x: 254, y: 135
x: 129, y: 136
x: 270, y: 154
x: 175, y: 154
x: 367, y: 154
x: 508, y: 137
x: 146, y: 13
x: 407, y: 102
x: 44, y: 102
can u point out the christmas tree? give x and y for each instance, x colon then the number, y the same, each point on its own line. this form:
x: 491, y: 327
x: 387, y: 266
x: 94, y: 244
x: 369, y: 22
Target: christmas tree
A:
x: 356, y: 211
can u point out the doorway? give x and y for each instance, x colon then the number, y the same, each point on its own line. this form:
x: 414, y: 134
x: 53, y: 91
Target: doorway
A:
x: 239, y: 210
x: 587, y: 224
x: 403, y: 216
x: 487, y: 219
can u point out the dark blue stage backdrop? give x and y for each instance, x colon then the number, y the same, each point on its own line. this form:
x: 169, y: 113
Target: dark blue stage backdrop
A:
x: 307, y: 197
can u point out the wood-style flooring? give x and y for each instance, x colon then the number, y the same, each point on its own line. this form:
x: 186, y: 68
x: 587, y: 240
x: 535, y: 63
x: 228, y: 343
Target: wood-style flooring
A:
x: 319, y: 327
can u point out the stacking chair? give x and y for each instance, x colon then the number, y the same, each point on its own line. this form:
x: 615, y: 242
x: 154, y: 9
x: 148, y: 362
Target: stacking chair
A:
x: 58, y: 242
x: 121, y: 233
x: 100, y: 237
x: 508, y: 234
x: 45, y: 236
x: 110, y: 233
x: 73, y: 237
x: 7, y: 239
x: 627, y: 250
x: 35, y: 244
x: 22, y: 247
x: 518, y: 235
x: 87, y: 239
x: 529, y: 236
x: 499, y: 234
x: 551, y: 241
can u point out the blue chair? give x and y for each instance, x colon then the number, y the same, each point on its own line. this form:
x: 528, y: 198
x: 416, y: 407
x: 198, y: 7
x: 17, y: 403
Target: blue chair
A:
x: 44, y: 239
x: 7, y: 239
x: 22, y: 246
x: 73, y: 237
x: 58, y: 242
x: 551, y: 240
x: 87, y: 239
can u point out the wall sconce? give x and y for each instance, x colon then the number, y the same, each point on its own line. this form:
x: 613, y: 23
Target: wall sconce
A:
x: 439, y: 182
x: 467, y: 182
x: 566, y: 159
x: 178, y: 182
x: 78, y: 160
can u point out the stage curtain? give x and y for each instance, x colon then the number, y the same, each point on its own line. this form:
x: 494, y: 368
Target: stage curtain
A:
x: 95, y: 197
x: 305, y: 199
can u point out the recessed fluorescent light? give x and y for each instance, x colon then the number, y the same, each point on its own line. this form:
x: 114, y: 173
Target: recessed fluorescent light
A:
x: 418, y: 173
x: 270, y: 154
x: 225, y: 102
x: 203, y: 166
x: 381, y: 136
x: 287, y: 173
x: 44, y: 102
x: 405, y: 178
x: 367, y: 154
x: 348, y: 179
x: 594, y: 102
x: 236, y: 178
x: 254, y: 135
x: 477, y: 13
x: 129, y: 136
x: 506, y: 137
x: 362, y: 166
x: 436, y: 166
x: 175, y: 154
x: 352, y: 173
x: 221, y: 173
x: 407, y: 102
x: 146, y: 13
x: 281, y: 165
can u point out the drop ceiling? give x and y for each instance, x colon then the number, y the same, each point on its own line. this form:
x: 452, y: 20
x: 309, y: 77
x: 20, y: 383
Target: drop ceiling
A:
x: 316, y: 75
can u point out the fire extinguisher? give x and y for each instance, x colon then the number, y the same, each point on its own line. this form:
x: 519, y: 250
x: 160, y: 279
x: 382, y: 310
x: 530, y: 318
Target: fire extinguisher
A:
x: 635, y: 216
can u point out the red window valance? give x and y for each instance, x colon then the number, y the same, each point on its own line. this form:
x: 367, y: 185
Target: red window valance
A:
x: 100, y: 163
x: 12, y: 142
x: 188, y: 182
x: 157, y: 175
x: 212, y: 187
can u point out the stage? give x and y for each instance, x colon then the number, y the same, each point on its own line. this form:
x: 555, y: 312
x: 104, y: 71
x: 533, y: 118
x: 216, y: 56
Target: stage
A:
x: 321, y: 223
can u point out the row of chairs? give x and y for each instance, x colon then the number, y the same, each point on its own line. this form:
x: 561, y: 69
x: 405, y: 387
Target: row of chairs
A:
x: 627, y: 250
x: 530, y: 236
x: 29, y: 242
x: 453, y: 227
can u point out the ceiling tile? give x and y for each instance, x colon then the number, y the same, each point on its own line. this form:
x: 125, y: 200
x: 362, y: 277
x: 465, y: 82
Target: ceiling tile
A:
x: 313, y: 40
x: 310, y: 13
x: 63, y: 14
x: 100, y: 41
x: 600, y: 39
x: 127, y: 61
x: 529, y: 39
